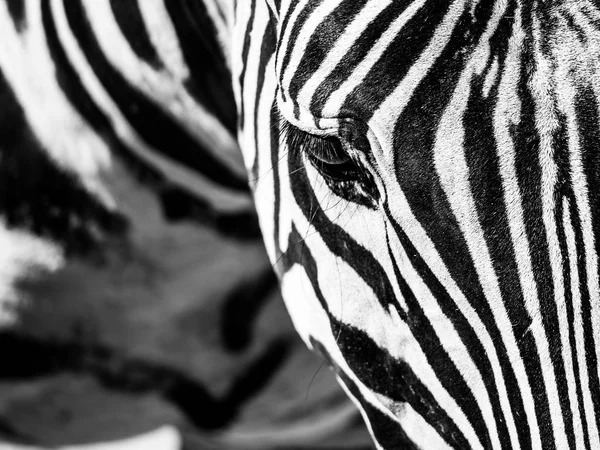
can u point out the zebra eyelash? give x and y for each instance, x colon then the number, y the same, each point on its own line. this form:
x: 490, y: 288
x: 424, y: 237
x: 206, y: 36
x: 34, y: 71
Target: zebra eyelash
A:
x: 327, y: 149
x: 296, y: 138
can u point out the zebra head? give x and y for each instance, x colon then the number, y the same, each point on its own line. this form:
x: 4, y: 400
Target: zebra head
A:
x: 426, y: 176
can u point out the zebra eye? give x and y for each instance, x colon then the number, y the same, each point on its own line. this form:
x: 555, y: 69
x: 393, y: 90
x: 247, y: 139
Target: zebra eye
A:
x: 330, y: 158
x: 333, y: 158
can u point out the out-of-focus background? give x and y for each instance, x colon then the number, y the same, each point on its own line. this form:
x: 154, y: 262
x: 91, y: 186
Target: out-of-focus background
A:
x: 177, y: 327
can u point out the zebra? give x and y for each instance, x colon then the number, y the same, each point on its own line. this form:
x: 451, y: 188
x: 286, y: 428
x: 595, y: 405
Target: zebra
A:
x: 425, y: 183
x: 426, y: 180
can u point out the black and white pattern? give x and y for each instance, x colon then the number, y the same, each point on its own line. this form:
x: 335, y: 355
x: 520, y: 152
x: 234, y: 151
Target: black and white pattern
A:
x: 425, y: 176
x: 428, y: 194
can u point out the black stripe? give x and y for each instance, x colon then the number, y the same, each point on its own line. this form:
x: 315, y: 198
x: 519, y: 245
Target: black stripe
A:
x: 548, y: 305
x: 469, y: 337
x: 387, y: 432
x: 148, y: 120
x: 486, y: 186
x: 277, y: 4
x: 529, y: 176
x: 590, y: 12
x: 286, y: 20
x: 131, y: 23
x: 16, y: 9
x: 575, y: 26
x: 374, y: 366
x: 275, y: 167
x: 122, y: 373
x: 586, y: 307
x: 382, y: 373
x: 210, y: 80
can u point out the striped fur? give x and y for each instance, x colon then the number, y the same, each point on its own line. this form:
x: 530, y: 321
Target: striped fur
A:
x: 452, y: 281
x: 449, y: 273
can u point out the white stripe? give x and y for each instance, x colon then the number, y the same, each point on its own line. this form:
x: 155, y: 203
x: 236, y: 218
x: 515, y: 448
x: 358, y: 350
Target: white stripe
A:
x: 192, y: 181
x: 401, y: 211
x: 363, y: 414
x: 273, y: 8
x: 490, y: 78
x: 580, y: 189
x: 453, y: 174
x: 418, y: 362
x: 368, y: 229
x: 259, y: 29
x: 163, y: 36
x: 451, y: 342
x: 257, y: 111
x: 389, y: 113
x: 264, y: 194
x: 284, y: 8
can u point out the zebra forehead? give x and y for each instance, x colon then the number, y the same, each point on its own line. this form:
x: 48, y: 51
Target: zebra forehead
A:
x: 329, y: 50
x: 348, y: 58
